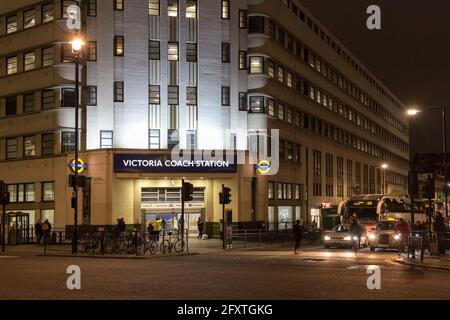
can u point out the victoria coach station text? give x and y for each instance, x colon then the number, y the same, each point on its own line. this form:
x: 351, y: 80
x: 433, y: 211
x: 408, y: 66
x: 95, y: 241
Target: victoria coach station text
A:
x: 176, y: 163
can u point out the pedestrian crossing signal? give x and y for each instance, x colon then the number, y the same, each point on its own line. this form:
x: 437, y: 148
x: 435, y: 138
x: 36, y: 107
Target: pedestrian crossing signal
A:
x: 225, y: 196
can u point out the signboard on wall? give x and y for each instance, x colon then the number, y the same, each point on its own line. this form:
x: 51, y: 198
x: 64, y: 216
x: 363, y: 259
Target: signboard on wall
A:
x: 142, y: 163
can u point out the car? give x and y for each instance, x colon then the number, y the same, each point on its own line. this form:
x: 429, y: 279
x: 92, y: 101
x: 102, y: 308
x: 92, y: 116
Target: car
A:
x: 385, y: 236
x: 341, y: 237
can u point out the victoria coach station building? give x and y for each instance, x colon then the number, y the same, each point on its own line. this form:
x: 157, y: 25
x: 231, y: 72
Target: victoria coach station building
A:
x: 136, y: 186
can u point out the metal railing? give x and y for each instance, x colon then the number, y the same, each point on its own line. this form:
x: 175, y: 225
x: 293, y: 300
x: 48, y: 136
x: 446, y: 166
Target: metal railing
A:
x: 426, y: 245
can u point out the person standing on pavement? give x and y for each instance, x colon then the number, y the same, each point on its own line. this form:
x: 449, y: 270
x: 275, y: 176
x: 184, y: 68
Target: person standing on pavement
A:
x: 298, y: 235
x: 221, y: 229
x: 439, y: 228
x: 38, y: 231
x: 46, y: 230
x: 200, y: 225
x: 158, y: 227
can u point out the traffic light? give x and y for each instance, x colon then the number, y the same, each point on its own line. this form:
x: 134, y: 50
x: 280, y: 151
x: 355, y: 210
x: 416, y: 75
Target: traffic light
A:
x: 4, y: 194
x: 188, y: 191
x: 225, y: 196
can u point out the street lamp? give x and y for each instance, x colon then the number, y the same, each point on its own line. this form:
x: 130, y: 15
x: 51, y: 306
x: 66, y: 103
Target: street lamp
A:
x: 77, y: 49
x: 414, y: 112
x: 384, y: 166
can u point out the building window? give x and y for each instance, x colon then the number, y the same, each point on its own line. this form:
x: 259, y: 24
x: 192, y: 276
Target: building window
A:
x: 67, y: 55
x: 11, y: 63
x: 271, y: 31
x: 29, y: 192
x: 271, y: 68
x: 29, y: 18
x: 118, y: 91
x: 173, y: 138
x: 153, y: 7
x: 280, y: 74
x: 173, y: 95
x: 271, y: 107
x: 118, y: 5
x: 256, y: 65
x: 47, y: 144
x: 257, y: 104
x: 191, y: 96
x: 225, y: 52
x: 172, y: 8
x: 67, y: 142
x: 91, y: 95
x: 47, y: 13
x: 191, y: 139
x: 225, y: 96
x: 243, y: 19
x: 242, y: 60
x: 154, y: 94
x: 48, y: 99
x: 119, y: 46
x: 243, y: 101
x: 271, y: 190
x: 290, y: 80
x: 29, y: 146
x: 11, y: 148
x: 191, y: 9
x: 225, y: 9
x: 29, y: 103
x: 29, y: 61
x: 172, y: 51
x: 191, y: 52
x: 92, y: 8
x: 48, y: 191
x: 281, y: 111
x: 154, y: 50
x: 11, y: 24
x: 68, y: 97
x: 92, y: 51
x: 11, y: 106
x: 256, y: 24
x: 106, y: 139
x: 48, y: 56
x: 154, y: 139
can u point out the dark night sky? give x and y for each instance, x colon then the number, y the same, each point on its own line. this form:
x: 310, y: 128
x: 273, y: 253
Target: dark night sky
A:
x: 411, y: 54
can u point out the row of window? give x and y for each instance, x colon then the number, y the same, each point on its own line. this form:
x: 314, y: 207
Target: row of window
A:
x: 261, y: 65
x: 257, y: 25
x: 29, y: 58
x: 317, y: 30
x: 48, y: 100
x: 285, y: 191
x: 25, y: 192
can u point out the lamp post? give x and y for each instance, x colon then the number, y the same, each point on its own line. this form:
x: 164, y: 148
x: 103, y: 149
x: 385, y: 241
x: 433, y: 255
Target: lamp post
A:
x: 415, y: 112
x: 384, y: 167
x: 77, y: 48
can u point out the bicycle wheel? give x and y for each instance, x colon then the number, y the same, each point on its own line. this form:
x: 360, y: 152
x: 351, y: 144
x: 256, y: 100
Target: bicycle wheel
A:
x: 165, y: 247
x: 153, y: 247
x: 179, y: 246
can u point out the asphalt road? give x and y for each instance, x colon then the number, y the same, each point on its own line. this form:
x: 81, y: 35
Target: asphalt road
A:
x: 258, y: 274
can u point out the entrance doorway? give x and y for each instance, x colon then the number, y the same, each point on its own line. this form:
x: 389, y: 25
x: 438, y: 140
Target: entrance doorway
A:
x: 19, y: 231
x: 171, y: 221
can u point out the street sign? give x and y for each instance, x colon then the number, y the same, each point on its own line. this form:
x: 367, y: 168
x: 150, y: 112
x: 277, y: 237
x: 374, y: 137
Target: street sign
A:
x: 81, y: 166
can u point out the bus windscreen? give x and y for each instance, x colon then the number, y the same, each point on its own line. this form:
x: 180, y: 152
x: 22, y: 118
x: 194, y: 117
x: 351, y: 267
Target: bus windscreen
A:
x: 366, y: 210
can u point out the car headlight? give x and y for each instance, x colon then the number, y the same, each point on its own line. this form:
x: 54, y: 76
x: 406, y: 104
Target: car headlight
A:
x: 372, y: 236
x: 327, y: 238
x: 397, y: 237
x: 348, y: 238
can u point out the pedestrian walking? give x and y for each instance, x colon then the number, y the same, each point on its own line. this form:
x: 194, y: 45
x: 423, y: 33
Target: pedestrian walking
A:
x: 200, y: 225
x: 158, y: 227
x: 439, y: 228
x: 38, y: 231
x: 298, y: 235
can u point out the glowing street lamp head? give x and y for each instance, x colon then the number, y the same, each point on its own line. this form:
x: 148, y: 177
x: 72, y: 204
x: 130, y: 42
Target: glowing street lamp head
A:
x: 384, y: 166
x: 412, y: 112
x: 77, y: 45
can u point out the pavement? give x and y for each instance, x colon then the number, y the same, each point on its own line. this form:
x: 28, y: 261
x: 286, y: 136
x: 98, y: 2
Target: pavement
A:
x: 428, y: 263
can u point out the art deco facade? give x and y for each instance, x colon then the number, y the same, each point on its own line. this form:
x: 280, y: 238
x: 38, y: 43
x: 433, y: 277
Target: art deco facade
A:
x: 158, y: 73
